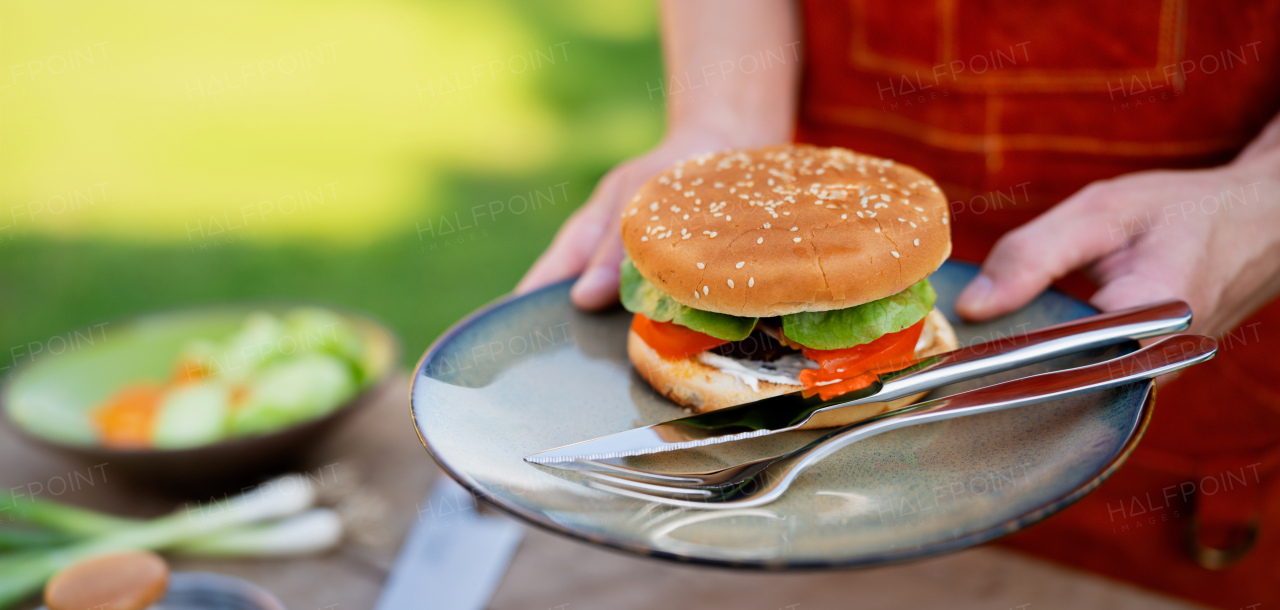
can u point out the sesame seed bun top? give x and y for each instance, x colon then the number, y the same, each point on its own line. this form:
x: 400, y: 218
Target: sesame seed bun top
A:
x: 785, y: 229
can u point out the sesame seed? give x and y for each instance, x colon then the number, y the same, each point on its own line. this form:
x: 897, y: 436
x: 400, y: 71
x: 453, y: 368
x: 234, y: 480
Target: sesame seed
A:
x: 913, y: 225
x: 766, y: 225
x: 944, y: 220
x: 644, y: 238
x: 902, y: 220
x: 751, y: 281
x: 702, y: 265
x: 730, y: 283
x: 877, y: 229
x: 844, y: 216
x: 741, y: 263
x: 713, y: 235
x: 894, y: 253
x: 706, y: 289
x: 759, y: 240
x: 919, y: 209
x: 653, y: 207
x: 696, y: 295
x: 917, y: 241
x: 797, y: 240
x: 728, y: 218
x: 795, y: 228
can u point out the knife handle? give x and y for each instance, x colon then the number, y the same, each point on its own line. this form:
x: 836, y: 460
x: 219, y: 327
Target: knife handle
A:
x: 1050, y: 342
x: 1166, y: 356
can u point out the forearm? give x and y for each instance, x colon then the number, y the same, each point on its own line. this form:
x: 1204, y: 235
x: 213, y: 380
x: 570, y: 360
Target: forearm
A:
x: 732, y: 68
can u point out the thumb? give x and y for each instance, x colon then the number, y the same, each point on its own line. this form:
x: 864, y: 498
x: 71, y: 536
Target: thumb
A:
x: 1028, y: 259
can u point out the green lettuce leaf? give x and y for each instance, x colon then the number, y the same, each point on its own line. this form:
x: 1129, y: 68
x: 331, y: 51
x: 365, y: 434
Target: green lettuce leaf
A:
x: 642, y: 297
x: 864, y: 323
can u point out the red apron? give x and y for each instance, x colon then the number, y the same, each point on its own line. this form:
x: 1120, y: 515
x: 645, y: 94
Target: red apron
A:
x: 1012, y: 106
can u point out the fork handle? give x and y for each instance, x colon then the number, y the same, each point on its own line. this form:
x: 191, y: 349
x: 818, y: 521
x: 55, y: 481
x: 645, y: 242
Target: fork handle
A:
x: 1012, y: 352
x: 1160, y: 358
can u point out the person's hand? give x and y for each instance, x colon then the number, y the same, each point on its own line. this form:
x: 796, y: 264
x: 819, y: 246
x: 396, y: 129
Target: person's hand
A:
x: 590, y: 242
x: 723, y: 107
x: 1209, y: 237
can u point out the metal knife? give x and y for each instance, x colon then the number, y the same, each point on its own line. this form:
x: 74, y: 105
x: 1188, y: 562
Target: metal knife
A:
x: 454, y: 556
x: 790, y: 411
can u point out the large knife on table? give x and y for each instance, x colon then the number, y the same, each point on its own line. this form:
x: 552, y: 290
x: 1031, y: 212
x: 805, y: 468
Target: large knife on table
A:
x: 454, y: 556
x: 790, y: 411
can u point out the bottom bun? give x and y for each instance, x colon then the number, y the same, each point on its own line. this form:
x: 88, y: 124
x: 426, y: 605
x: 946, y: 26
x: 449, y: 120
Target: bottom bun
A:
x: 701, y: 387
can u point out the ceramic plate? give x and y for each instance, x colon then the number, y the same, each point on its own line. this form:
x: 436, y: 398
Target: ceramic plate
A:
x: 531, y: 373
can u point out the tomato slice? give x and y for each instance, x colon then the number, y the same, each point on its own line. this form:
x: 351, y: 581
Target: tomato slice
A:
x: 673, y: 341
x: 856, y: 367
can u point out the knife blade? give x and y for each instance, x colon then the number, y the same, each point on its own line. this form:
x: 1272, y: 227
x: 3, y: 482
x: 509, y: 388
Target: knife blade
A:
x: 453, y: 557
x: 790, y: 411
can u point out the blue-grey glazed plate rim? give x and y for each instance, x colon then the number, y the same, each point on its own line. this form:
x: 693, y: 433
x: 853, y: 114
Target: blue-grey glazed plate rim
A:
x: 956, y: 543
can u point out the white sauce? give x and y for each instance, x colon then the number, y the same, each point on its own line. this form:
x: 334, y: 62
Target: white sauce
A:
x: 784, y: 370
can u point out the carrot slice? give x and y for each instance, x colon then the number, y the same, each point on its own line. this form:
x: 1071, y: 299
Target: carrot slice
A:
x: 127, y: 419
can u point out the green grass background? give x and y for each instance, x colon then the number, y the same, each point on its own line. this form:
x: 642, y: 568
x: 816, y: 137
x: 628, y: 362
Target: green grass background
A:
x: 171, y: 159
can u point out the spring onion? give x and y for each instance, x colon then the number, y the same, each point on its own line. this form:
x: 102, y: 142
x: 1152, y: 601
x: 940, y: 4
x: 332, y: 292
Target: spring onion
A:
x: 14, y: 538
x: 59, y: 517
x: 23, y: 573
x: 311, y: 532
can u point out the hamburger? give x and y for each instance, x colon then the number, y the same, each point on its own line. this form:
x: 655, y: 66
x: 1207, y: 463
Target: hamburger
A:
x: 754, y: 273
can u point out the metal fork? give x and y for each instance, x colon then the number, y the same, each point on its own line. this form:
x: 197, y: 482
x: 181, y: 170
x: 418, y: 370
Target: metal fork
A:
x: 763, y: 481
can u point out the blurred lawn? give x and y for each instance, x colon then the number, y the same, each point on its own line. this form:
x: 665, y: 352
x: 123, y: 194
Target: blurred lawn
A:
x: 160, y: 154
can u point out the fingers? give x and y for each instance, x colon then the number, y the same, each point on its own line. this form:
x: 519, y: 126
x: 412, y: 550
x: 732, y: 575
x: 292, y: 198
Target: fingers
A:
x: 575, y: 242
x: 598, y: 286
x: 1030, y: 258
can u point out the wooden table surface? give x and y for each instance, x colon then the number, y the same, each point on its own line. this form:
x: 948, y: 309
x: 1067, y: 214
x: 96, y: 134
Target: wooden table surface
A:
x: 375, y: 472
